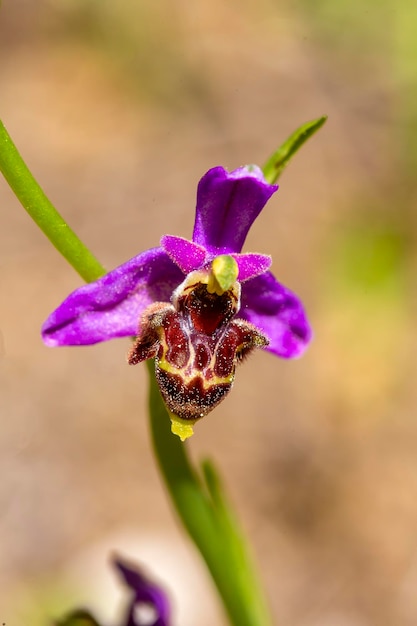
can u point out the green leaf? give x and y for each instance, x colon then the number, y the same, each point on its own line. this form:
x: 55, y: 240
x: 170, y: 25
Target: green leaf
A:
x: 276, y: 164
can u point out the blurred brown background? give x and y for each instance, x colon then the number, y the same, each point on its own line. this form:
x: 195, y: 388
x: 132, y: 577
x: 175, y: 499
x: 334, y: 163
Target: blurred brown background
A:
x: 119, y: 108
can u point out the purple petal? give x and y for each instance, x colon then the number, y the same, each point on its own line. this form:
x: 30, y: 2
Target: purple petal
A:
x: 227, y: 205
x: 251, y: 265
x: 278, y: 313
x: 145, y: 593
x: 186, y: 254
x: 111, y: 306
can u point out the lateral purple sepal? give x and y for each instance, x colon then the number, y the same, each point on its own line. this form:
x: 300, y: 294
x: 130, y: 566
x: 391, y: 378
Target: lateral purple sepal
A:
x: 112, y: 305
x: 186, y: 254
x: 227, y: 205
x: 251, y: 265
x: 278, y: 313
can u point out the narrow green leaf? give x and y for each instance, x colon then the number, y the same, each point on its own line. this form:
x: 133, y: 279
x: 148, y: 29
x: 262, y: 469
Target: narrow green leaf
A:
x: 276, y: 164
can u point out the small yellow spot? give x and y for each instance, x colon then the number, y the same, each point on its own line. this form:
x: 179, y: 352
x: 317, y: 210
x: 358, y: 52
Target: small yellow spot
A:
x: 223, y: 274
x: 182, y: 428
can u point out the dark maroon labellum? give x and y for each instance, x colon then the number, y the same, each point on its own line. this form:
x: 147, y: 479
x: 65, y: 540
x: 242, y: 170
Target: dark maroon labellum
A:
x: 196, y: 343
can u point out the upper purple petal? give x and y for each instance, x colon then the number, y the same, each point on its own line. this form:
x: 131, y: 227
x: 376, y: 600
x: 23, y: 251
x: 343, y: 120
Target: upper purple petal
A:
x: 227, y: 205
x: 144, y: 592
x: 112, y: 305
x: 186, y: 254
x: 277, y: 312
x: 251, y: 265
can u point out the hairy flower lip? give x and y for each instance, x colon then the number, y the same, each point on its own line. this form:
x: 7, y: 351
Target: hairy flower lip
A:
x: 227, y: 205
x: 196, y: 343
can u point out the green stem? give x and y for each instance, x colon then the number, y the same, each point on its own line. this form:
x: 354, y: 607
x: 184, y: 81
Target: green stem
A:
x: 42, y: 211
x: 207, y: 517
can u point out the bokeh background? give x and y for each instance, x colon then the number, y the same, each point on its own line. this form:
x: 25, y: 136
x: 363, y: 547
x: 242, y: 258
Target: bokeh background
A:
x: 119, y: 108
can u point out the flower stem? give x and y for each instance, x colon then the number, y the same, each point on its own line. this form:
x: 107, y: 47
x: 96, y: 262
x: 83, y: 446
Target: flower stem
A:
x: 42, y: 211
x: 205, y: 513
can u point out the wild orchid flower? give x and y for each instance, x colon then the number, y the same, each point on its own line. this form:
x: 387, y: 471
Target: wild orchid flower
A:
x: 197, y: 307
